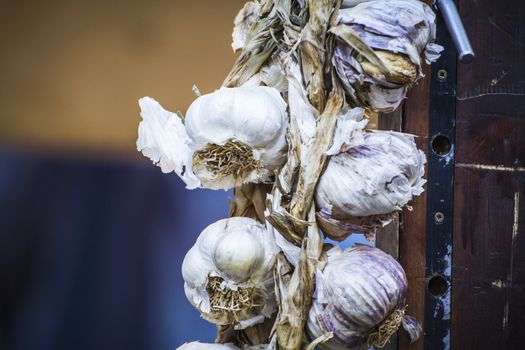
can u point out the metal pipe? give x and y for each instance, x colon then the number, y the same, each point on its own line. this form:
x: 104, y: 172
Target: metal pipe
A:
x: 456, y: 30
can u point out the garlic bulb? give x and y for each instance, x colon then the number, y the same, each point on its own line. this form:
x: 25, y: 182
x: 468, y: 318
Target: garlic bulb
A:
x: 228, y: 273
x: 375, y: 173
x: 195, y: 345
x: 230, y: 137
x: 360, y: 297
x: 377, y: 55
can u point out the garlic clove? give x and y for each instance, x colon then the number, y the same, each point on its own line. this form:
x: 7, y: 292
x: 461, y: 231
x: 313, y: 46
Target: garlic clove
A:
x: 238, y: 264
x: 413, y: 328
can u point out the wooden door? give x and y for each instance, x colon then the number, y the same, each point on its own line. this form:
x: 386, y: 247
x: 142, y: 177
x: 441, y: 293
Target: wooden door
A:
x: 488, y: 222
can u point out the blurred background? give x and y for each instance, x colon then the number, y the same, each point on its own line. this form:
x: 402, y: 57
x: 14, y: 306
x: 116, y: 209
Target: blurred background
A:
x: 92, y: 236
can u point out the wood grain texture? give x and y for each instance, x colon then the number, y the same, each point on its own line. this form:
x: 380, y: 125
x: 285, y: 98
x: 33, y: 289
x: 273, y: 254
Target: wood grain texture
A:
x: 488, y: 285
x: 387, y: 238
x: 412, y: 237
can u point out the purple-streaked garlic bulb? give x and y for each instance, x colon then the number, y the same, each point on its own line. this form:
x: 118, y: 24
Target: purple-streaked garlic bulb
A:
x: 378, y: 49
x: 360, y: 298
x: 374, y: 174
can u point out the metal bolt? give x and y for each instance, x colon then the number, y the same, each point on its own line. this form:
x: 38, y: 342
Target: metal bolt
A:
x: 439, y: 217
x: 442, y: 74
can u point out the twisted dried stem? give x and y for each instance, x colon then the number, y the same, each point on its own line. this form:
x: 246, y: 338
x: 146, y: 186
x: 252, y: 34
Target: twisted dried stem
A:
x: 295, y: 293
x: 250, y: 201
x: 296, y: 296
x: 312, y: 50
x: 260, y: 44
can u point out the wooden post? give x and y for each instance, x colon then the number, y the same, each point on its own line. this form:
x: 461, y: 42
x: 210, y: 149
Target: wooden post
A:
x: 387, y: 239
x: 412, y: 237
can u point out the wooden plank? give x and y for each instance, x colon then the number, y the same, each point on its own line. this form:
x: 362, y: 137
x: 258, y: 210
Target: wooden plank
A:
x: 488, y: 285
x: 412, y: 237
x: 387, y: 239
x: 391, y: 121
x: 489, y: 260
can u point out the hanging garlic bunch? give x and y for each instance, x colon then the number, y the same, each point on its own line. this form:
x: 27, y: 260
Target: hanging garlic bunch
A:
x: 230, y: 137
x: 228, y: 273
x: 377, y: 55
x: 370, y: 174
x: 238, y: 137
x: 360, y: 298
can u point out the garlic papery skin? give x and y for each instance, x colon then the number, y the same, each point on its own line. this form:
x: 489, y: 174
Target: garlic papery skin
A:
x: 230, y: 137
x: 377, y: 54
x: 360, y: 298
x: 376, y: 175
x: 163, y: 139
x: 228, y: 273
x: 195, y: 345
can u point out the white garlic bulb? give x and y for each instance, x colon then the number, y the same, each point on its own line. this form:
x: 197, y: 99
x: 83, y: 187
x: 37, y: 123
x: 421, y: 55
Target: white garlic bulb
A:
x: 374, y: 174
x: 228, y: 273
x: 377, y: 55
x: 195, y: 345
x: 360, y: 298
x: 230, y: 137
